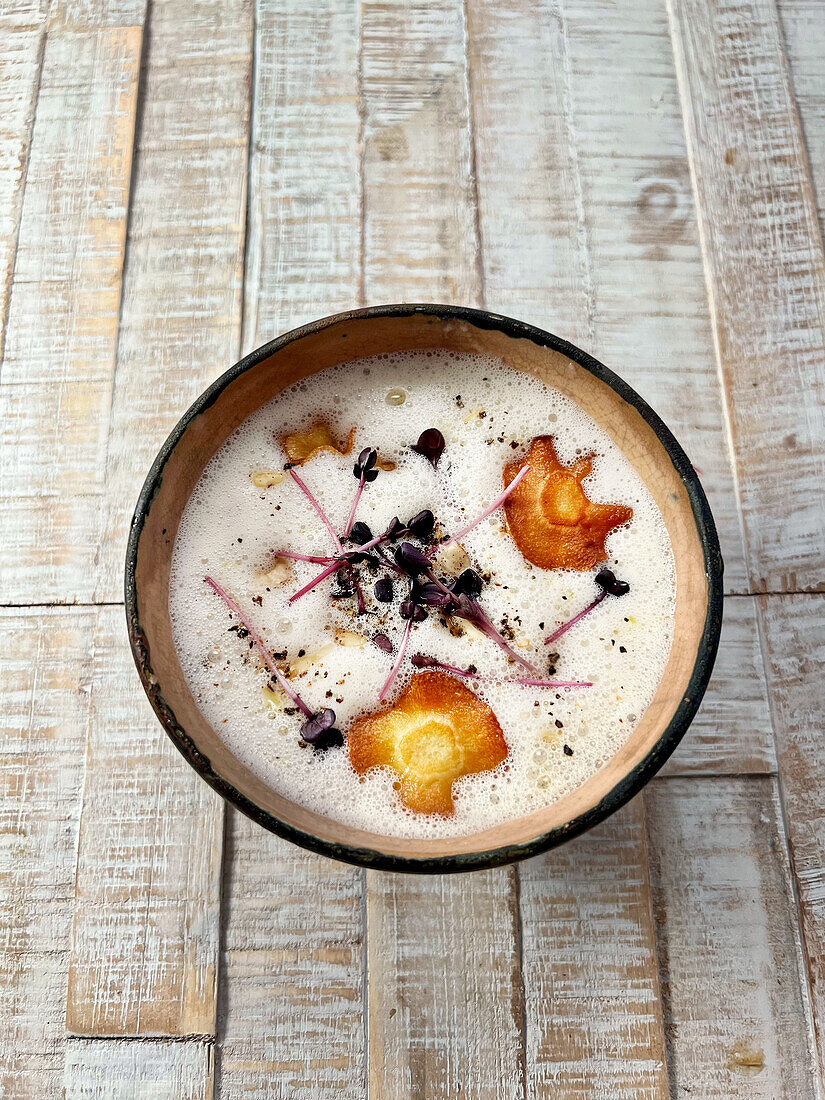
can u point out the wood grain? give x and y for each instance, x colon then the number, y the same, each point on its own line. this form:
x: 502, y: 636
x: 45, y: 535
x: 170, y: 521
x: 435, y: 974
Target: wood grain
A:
x: 586, y: 215
x: 147, y: 913
x: 794, y: 632
x: 291, y: 1015
x: 60, y: 340
x: 803, y: 26
x: 146, y: 908
x: 23, y: 33
x: 291, y: 1018
x: 594, y: 1021
x: 47, y: 676
x: 121, y: 1070
x: 181, y: 310
x: 732, y: 733
x: 444, y: 986
x: 419, y: 214
x: 303, y: 254
x: 765, y: 272
x: 731, y: 963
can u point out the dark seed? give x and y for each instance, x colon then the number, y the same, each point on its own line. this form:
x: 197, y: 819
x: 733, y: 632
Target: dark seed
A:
x: 383, y: 590
x: 360, y: 533
x: 606, y: 580
x: 319, y: 723
x: 568, y: 751
x: 431, y: 445
x: 329, y: 739
x: 468, y: 584
x: 411, y: 559
x: 383, y: 643
x: 422, y: 525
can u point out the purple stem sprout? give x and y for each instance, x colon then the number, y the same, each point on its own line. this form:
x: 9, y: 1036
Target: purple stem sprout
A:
x: 316, y: 559
x: 485, y: 625
x: 324, y: 518
x: 332, y: 568
x: 576, y: 618
x: 402, y: 649
x: 497, y: 503
x: 260, y: 645
x: 358, y: 492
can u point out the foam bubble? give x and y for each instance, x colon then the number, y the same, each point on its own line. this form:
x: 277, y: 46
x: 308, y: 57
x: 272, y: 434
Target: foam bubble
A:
x: 623, y: 646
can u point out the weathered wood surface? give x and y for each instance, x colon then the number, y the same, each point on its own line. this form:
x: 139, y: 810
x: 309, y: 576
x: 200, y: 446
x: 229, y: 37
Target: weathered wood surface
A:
x: 794, y: 632
x: 291, y: 1021
x: 803, y: 26
x: 56, y: 381
x: 123, y: 1070
x: 591, y: 987
x: 146, y: 914
x: 733, y: 987
x: 732, y: 733
x: 765, y: 272
x: 47, y: 674
x: 304, y: 222
x: 23, y: 32
x: 445, y: 1012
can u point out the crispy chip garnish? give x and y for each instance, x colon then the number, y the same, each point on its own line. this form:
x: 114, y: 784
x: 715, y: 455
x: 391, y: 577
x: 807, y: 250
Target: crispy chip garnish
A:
x: 303, y: 445
x: 434, y: 733
x: 552, y: 521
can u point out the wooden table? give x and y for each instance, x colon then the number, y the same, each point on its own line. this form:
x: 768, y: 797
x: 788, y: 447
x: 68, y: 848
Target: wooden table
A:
x: 181, y: 181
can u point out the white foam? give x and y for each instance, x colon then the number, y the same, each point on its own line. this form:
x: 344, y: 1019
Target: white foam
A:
x: 230, y: 529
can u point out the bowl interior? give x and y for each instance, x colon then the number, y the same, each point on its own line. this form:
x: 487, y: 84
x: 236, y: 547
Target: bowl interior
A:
x: 351, y: 337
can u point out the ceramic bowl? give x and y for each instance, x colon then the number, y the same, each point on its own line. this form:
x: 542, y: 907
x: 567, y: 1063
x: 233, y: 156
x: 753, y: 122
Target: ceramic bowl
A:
x: 643, y: 437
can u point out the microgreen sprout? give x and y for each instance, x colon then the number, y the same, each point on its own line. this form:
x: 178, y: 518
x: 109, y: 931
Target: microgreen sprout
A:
x: 366, y: 472
x: 488, y: 511
x: 610, y: 586
x: 430, y: 445
x: 402, y: 649
x: 321, y: 513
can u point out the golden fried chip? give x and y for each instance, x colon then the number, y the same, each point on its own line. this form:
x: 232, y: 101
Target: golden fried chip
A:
x: 304, y: 444
x: 551, y: 520
x: 434, y: 733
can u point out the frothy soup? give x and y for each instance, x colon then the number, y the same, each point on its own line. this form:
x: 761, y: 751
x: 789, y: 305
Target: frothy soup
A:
x: 467, y: 685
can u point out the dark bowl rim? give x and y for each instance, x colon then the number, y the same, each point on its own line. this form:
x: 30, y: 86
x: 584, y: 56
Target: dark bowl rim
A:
x: 615, y: 798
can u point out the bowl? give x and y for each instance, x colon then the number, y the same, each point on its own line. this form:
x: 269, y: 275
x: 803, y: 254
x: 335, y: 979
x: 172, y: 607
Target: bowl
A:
x: 633, y: 425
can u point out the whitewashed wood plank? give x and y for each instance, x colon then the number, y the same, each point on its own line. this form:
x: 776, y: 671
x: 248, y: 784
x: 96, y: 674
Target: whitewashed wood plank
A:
x: 122, y: 1070
x: 23, y: 34
x: 736, y: 1009
x: 291, y: 1018
x: 586, y: 214
x: 766, y: 276
x: 181, y: 309
x: 794, y: 633
x: 98, y: 13
x: 292, y: 1015
x: 146, y: 915
x: 732, y: 733
x: 55, y: 388
x: 46, y: 672
x: 419, y: 213
x: 444, y: 988
x: 803, y: 26
x: 594, y: 1022
x: 303, y: 254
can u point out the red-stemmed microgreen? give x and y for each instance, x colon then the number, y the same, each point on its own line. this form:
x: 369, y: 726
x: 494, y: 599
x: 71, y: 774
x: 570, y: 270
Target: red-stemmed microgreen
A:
x: 402, y: 649
x: 315, y: 559
x: 421, y: 660
x: 364, y: 469
x: 609, y: 584
x: 330, y: 569
x: 260, y: 645
x: 488, y: 511
x: 321, y: 513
